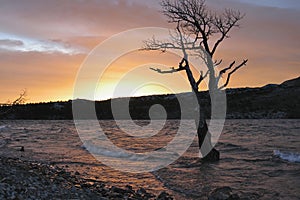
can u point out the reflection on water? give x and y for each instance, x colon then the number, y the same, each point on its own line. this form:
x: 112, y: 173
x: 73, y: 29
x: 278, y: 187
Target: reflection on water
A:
x: 252, y: 161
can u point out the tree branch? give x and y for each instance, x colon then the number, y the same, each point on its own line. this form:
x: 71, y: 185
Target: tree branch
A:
x: 172, y: 70
x: 230, y: 73
x: 20, y: 100
x: 201, y: 78
x: 201, y: 22
x: 224, y: 23
x: 217, y: 63
x: 223, y: 71
x: 181, y: 67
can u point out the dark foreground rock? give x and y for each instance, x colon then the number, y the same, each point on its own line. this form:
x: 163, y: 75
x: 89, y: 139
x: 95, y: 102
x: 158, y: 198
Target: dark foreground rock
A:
x: 28, y: 180
x: 223, y: 193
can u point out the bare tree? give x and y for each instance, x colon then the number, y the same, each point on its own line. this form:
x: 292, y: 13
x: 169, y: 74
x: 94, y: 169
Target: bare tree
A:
x: 199, y: 30
x: 9, y: 105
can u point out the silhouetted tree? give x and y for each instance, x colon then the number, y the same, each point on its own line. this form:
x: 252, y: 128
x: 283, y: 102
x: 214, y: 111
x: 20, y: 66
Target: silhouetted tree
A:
x: 200, y: 31
x: 10, y: 104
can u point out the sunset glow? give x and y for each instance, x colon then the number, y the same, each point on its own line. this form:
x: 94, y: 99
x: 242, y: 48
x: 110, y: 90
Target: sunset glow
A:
x: 44, y: 43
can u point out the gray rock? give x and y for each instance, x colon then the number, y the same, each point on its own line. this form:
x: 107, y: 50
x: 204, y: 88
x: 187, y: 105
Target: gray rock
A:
x: 223, y: 193
x: 164, y: 196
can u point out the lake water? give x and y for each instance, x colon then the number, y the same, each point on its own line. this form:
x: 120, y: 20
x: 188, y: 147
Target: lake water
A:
x: 260, y: 159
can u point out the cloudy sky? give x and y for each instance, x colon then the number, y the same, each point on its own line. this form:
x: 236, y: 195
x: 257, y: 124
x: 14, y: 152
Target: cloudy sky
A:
x: 44, y: 43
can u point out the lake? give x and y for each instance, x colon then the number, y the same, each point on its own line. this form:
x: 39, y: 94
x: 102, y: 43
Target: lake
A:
x: 260, y: 159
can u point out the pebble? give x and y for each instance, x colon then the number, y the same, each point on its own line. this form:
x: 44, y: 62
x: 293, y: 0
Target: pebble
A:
x: 29, y: 180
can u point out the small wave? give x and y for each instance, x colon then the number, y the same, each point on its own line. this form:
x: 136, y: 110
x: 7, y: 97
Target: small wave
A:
x: 228, y: 147
x: 107, y: 152
x: 2, y: 127
x: 288, y: 156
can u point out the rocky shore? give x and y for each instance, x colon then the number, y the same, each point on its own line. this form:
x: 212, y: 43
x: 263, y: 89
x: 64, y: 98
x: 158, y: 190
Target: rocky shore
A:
x: 26, y: 180
x: 31, y: 180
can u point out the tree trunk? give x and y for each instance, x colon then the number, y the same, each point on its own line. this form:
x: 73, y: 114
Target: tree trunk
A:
x: 208, y: 152
x: 204, y: 137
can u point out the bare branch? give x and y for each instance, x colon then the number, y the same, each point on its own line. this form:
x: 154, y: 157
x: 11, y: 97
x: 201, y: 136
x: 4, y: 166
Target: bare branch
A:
x: 197, y: 20
x: 201, y: 78
x: 207, y: 72
x: 195, y: 26
x: 223, y: 71
x: 172, y: 70
x: 224, y: 23
x: 217, y: 63
x: 155, y: 45
x: 20, y: 100
x: 230, y: 73
x: 182, y: 44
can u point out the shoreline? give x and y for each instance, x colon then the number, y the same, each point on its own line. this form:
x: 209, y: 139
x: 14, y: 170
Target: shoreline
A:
x: 21, y: 179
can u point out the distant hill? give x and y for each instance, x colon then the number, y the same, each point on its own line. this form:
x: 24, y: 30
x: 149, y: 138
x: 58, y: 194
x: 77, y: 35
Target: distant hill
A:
x: 270, y: 101
x: 292, y: 83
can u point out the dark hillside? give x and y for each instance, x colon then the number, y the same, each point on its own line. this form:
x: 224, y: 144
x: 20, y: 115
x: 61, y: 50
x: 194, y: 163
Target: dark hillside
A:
x: 270, y: 101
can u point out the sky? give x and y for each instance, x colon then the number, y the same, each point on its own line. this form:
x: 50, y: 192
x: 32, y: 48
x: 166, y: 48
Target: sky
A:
x: 44, y: 43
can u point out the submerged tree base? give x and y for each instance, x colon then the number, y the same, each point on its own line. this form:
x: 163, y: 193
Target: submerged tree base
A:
x: 212, y: 156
